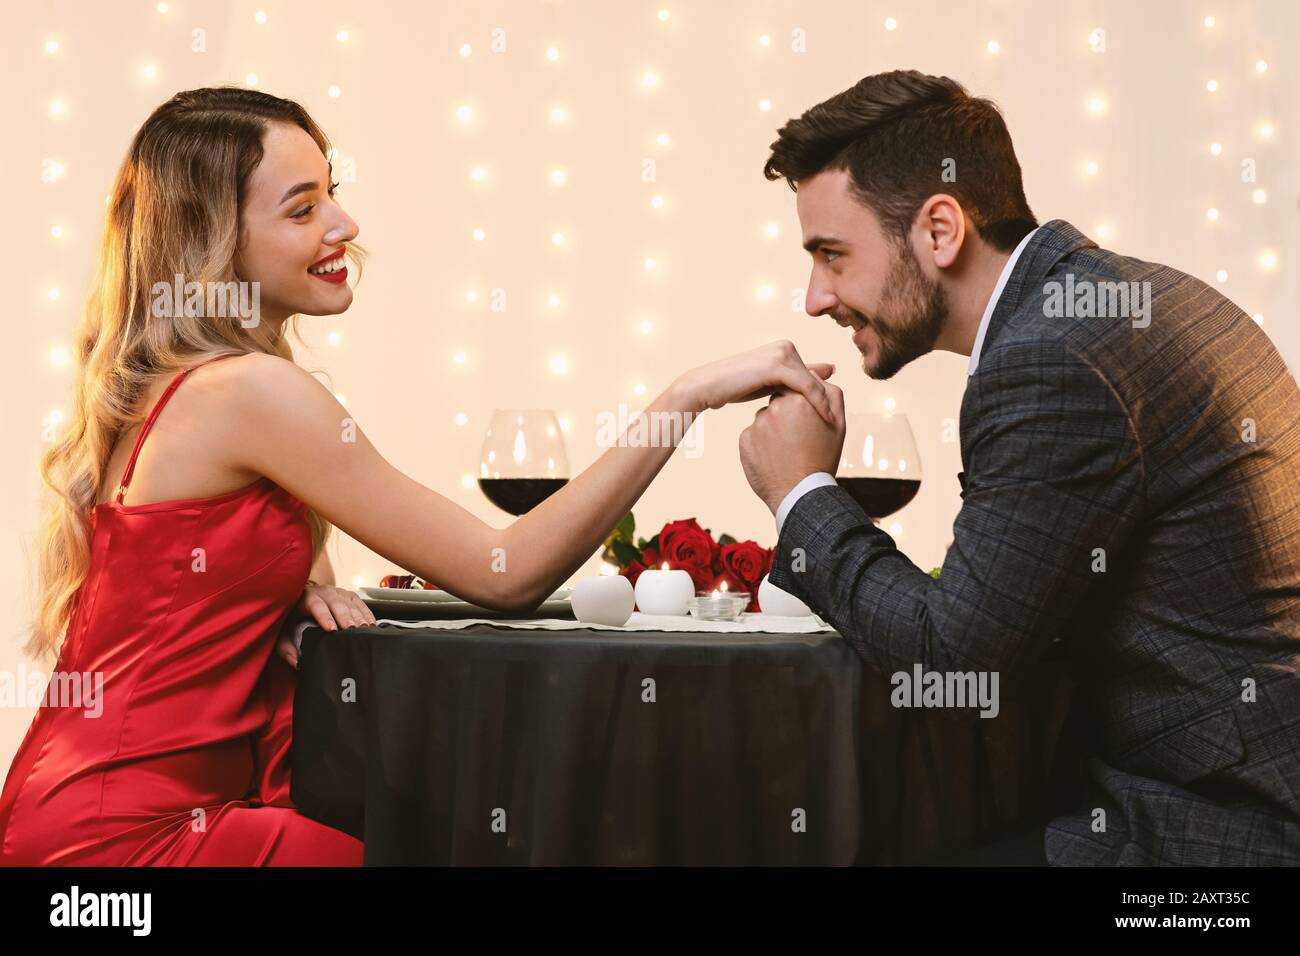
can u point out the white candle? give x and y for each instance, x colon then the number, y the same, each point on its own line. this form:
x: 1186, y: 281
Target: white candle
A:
x: 780, y: 603
x: 664, y: 592
x: 603, y: 599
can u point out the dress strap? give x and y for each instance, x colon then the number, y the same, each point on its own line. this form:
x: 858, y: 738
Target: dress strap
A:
x: 153, y: 415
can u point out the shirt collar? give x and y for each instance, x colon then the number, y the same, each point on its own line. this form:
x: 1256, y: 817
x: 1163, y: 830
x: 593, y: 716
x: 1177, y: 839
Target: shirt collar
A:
x: 993, y: 301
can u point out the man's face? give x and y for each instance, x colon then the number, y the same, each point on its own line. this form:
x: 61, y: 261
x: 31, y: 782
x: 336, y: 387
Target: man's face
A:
x: 864, y: 280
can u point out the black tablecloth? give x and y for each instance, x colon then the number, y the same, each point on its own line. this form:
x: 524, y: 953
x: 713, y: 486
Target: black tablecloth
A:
x: 491, y: 745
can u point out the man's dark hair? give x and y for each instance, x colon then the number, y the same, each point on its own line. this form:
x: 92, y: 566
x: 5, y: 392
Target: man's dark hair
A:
x: 893, y: 132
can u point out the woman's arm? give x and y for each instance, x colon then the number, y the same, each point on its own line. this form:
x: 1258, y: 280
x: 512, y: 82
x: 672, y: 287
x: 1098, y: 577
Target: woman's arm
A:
x: 322, y: 571
x: 284, y: 424
x: 564, y: 530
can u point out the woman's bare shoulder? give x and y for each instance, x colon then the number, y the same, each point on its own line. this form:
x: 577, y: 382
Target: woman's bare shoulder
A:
x: 257, y: 390
x: 267, y: 393
x: 256, y: 375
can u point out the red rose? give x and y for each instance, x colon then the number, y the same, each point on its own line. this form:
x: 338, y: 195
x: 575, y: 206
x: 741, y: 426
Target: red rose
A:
x: 743, y: 566
x: 632, y: 571
x: 650, y: 558
x: 688, y: 547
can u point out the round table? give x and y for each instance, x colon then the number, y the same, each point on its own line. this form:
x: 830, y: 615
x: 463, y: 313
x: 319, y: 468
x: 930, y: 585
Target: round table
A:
x: 493, y: 745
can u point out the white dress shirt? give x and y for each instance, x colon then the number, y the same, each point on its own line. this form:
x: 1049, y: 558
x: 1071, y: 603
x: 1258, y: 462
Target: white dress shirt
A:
x: 822, y: 478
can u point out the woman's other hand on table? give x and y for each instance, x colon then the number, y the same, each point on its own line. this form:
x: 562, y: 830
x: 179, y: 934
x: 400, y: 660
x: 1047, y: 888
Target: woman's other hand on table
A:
x: 331, y: 608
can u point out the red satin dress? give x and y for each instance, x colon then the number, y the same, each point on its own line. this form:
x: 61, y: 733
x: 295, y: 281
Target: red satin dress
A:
x: 182, y: 758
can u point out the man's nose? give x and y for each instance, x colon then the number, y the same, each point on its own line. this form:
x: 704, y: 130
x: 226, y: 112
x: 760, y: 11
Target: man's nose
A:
x: 819, y: 300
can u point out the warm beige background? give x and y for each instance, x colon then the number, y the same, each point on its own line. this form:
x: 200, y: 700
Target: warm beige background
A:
x: 401, y: 78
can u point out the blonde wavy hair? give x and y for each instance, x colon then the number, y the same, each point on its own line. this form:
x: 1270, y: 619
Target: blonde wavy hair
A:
x: 174, y: 208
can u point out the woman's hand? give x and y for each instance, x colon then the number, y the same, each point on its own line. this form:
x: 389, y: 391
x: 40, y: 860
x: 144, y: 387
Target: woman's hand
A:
x: 330, y: 607
x: 758, y: 373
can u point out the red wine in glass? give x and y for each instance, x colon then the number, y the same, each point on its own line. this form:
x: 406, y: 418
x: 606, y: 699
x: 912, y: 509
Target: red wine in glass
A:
x: 880, y: 467
x: 881, y: 497
x: 523, y: 461
x: 519, y: 495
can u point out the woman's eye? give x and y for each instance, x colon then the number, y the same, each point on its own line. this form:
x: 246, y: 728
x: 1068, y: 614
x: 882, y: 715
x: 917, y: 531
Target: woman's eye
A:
x: 306, y: 209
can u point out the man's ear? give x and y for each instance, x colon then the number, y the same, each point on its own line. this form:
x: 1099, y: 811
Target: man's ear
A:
x: 940, y: 230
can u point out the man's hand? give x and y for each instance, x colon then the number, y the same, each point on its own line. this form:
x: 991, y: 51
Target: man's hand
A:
x: 789, y: 441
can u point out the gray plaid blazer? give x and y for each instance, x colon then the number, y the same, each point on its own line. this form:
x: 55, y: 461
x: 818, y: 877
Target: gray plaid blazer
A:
x: 1171, y: 451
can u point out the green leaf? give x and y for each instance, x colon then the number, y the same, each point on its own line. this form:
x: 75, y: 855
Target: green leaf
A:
x: 726, y: 539
x: 934, y: 573
x: 625, y: 553
x: 626, y: 527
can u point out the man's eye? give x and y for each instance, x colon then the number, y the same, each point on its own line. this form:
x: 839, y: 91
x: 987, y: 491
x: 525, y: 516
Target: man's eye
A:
x: 333, y: 186
x: 829, y: 254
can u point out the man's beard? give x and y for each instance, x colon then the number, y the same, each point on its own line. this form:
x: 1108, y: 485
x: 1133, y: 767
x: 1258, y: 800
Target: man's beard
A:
x: 911, y: 315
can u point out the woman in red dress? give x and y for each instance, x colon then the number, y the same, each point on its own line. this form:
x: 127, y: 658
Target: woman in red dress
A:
x: 193, y: 489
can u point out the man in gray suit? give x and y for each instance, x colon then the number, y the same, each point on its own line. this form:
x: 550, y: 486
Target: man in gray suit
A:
x: 1130, y: 443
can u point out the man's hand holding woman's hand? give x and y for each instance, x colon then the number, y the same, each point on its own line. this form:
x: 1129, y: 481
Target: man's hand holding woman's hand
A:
x: 799, y: 432
x: 789, y: 441
x: 331, y: 607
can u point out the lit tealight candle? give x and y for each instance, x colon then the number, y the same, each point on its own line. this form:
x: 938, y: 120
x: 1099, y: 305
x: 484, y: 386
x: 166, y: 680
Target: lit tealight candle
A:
x: 718, y: 605
x: 664, y: 592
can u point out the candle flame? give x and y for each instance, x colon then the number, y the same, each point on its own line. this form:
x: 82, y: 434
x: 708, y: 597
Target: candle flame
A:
x: 715, y: 592
x: 665, y: 565
x: 724, y: 585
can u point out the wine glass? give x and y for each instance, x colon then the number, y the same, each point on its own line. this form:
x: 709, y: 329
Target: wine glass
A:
x: 879, y: 467
x: 523, y: 461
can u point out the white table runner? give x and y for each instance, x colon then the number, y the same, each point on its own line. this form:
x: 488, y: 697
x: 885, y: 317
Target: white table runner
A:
x: 747, y: 624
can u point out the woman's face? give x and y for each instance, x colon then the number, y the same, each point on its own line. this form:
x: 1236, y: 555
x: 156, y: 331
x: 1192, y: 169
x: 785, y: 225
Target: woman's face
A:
x: 289, y: 223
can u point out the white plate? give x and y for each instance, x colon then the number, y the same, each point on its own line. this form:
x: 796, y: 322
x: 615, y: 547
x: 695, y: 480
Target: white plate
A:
x: 446, y: 600
x: 434, y: 596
